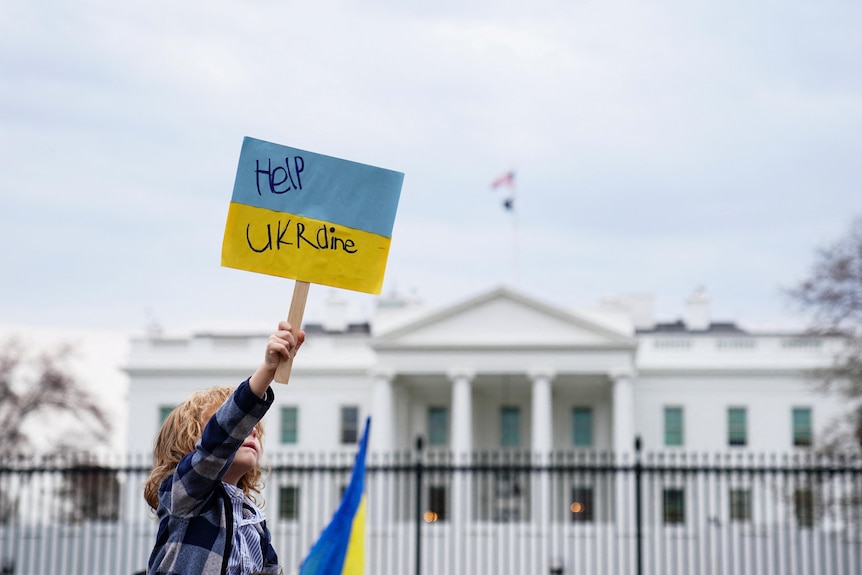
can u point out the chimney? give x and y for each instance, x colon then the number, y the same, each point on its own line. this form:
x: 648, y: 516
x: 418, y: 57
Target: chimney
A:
x: 697, y: 311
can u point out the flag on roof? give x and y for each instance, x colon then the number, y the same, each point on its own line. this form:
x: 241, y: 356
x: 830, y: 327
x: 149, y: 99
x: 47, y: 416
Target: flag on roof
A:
x: 507, y: 179
x: 340, y: 549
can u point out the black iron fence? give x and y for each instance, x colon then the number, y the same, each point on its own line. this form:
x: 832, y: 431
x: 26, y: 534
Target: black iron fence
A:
x: 492, y: 513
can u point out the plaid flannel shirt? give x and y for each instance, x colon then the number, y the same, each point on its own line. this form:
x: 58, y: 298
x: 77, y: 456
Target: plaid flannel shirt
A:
x: 196, y: 523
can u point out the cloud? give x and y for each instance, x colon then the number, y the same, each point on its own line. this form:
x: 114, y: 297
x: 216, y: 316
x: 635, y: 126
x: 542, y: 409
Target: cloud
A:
x: 657, y: 145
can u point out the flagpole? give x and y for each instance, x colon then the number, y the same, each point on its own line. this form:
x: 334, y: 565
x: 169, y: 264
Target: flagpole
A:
x: 515, y: 274
x: 509, y: 204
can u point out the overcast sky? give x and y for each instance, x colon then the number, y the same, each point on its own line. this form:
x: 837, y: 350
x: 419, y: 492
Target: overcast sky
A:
x: 659, y: 147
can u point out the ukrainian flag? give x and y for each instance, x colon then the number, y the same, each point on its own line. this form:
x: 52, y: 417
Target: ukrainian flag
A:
x: 340, y: 550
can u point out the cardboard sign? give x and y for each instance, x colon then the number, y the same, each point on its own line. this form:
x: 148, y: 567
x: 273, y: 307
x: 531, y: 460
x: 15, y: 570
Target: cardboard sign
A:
x: 310, y: 217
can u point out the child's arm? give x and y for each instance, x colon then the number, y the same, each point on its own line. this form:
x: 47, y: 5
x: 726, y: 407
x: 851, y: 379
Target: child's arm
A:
x: 228, y: 428
x: 282, y: 345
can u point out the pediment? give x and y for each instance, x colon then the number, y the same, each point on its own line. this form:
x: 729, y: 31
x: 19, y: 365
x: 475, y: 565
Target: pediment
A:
x: 502, y: 318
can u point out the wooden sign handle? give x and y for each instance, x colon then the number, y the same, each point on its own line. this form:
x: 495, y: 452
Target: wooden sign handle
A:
x: 294, y: 318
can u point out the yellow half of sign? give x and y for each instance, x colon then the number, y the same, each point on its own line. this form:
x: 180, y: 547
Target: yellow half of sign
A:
x: 305, y: 249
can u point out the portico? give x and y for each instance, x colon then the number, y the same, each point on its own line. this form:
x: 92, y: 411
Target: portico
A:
x: 503, y: 353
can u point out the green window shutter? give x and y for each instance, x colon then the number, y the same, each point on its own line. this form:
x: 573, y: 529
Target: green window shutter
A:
x: 582, y: 426
x: 288, y: 502
x: 164, y: 412
x: 673, y: 426
x: 674, y: 506
x: 802, y: 435
x: 737, y: 426
x: 740, y: 504
x: 438, y: 426
x: 510, y: 427
x: 289, y: 425
x: 349, y: 424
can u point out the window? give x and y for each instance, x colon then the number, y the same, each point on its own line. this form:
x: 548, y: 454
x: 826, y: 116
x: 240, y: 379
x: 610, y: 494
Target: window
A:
x: 802, y: 426
x: 510, y: 427
x: 674, y: 506
x: 164, y: 412
x: 673, y: 426
x: 288, y: 502
x: 803, y: 501
x: 740, y: 505
x: 349, y: 424
x: 582, y: 504
x: 582, y: 426
x: 507, y: 485
x: 511, y: 497
x: 438, y: 426
x: 503, y: 495
x: 436, y: 504
x: 737, y: 426
x: 289, y: 425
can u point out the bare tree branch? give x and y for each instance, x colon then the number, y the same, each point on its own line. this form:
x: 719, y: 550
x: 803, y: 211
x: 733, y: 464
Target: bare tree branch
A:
x: 41, y: 386
x: 832, y: 295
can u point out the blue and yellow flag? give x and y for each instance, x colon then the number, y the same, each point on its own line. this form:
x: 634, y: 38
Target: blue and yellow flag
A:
x: 340, y: 550
x: 310, y: 217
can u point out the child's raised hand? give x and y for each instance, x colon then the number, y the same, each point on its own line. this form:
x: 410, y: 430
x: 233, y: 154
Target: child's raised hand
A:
x: 281, y: 346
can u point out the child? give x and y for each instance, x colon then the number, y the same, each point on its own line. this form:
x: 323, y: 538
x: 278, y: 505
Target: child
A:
x: 206, y: 470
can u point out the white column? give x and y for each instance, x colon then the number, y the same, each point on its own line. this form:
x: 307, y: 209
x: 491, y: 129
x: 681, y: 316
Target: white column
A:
x: 462, y: 447
x: 542, y: 443
x: 461, y: 441
x: 383, y: 412
x: 382, y: 447
x: 624, y: 411
x: 624, y: 437
x: 542, y: 416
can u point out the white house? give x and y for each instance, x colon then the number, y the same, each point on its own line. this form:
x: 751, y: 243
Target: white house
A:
x: 502, y: 370
x: 528, y: 412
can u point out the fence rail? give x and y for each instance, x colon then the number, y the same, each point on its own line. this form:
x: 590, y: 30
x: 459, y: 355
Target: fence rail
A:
x: 506, y: 513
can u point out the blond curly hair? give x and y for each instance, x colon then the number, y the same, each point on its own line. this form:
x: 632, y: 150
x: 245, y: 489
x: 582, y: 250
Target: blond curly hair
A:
x: 179, y: 434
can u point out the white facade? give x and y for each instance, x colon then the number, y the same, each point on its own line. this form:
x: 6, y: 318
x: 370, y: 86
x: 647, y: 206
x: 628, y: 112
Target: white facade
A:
x: 505, y: 359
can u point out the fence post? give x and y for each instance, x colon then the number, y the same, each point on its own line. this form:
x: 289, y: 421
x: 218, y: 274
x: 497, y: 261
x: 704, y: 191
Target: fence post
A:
x: 419, y: 504
x: 638, y: 506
